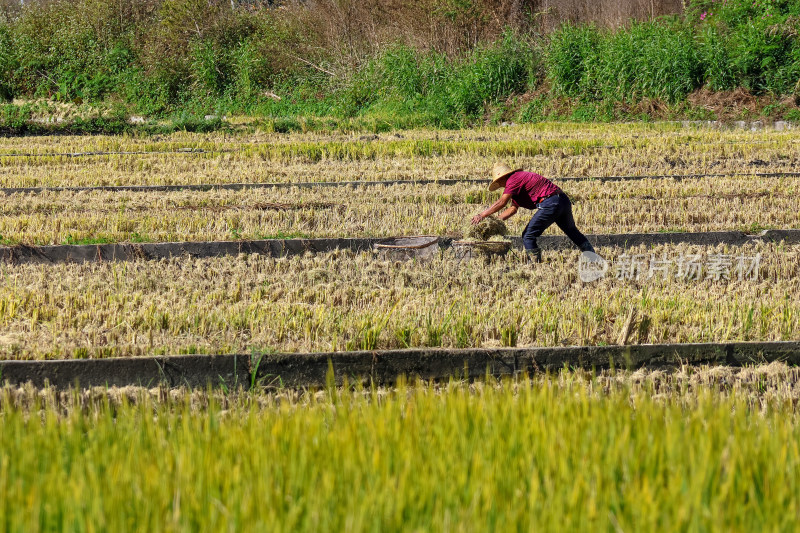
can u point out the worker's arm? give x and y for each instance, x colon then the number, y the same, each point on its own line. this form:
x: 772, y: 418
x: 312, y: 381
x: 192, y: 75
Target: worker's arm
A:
x: 508, y: 213
x: 494, y: 208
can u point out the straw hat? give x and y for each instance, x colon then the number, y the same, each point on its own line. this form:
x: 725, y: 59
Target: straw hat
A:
x: 500, y: 172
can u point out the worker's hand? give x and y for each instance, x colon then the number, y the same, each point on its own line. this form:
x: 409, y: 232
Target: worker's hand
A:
x: 477, y: 218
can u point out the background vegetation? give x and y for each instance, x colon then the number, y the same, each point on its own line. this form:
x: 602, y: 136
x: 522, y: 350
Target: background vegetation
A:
x: 443, y: 63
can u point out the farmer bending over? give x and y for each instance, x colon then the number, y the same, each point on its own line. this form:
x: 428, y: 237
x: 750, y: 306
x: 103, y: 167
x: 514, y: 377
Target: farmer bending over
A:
x: 532, y: 191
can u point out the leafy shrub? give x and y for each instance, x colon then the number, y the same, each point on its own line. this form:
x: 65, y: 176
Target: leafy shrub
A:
x: 533, y: 111
x: 208, y: 69
x: 406, y: 73
x: 62, y: 49
x: 714, y: 55
x: 491, y: 74
x: 571, y: 52
x: 749, y: 43
x: 15, y: 117
x: 762, y: 58
x: 650, y: 60
x: 446, y: 91
x: 7, y: 62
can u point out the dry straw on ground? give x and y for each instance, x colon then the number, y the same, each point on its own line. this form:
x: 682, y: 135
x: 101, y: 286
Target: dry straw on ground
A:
x: 339, y: 301
x: 342, y: 300
x: 553, y: 150
x: 735, y: 202
x: 486, y: 229
x: 653, y: 205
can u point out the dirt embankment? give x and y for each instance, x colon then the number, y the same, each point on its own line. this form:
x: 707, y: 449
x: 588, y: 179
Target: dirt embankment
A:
x: 381, y: 366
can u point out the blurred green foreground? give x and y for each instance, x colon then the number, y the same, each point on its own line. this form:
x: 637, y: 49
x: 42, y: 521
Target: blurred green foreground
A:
x: 567, y: 452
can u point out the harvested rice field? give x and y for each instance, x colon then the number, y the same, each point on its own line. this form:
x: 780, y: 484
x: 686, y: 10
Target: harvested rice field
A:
x: 556, y: 150
x: 348, y: 301
x: 733, y: 197
x: 741, y: 203
x: 343, y: 300
x: 686, y: 448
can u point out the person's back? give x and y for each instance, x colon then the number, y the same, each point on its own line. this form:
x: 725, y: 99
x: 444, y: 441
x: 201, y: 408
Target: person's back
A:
x: 527, y: 189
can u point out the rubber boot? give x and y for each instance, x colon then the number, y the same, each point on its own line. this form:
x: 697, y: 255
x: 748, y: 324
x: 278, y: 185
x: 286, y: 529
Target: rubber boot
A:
x: 534, y: 256
x: 587, y: 247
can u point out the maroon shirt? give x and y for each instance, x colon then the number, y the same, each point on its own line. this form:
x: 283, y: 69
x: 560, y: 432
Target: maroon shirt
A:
x: 528, y: 188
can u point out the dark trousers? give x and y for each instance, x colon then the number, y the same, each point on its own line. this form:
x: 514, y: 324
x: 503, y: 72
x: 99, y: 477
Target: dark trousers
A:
x: 556, y: 209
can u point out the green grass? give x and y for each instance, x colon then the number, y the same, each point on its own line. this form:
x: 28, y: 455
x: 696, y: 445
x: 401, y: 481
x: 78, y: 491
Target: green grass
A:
x: 552, y: 454
x: 137, y: 237
x: 756, y: 227
x: 100, y: 239
x: 283, y: 235
x: 675, y: 229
